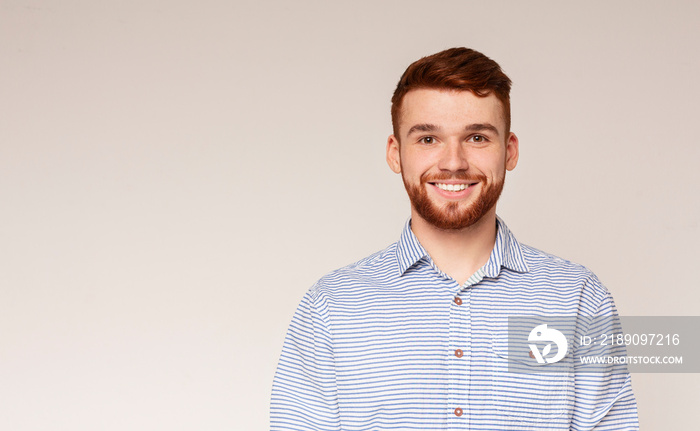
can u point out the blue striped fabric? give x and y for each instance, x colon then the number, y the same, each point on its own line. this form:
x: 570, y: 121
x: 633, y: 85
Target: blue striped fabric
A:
x: 393, y: 343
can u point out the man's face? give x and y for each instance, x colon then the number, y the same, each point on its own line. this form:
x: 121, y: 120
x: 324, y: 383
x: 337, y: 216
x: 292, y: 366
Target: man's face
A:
x: 453, y: 155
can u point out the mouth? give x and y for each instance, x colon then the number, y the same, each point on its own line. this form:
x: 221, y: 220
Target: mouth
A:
x: 452, y: 187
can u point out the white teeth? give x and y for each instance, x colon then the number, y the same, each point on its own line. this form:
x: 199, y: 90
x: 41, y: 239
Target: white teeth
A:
x: 451, y: 187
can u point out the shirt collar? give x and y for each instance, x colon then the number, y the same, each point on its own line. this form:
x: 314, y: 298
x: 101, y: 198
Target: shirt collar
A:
x: 506, y: 251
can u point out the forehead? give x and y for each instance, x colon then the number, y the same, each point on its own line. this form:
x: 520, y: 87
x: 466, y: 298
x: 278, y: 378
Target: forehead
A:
x: 449, y: 109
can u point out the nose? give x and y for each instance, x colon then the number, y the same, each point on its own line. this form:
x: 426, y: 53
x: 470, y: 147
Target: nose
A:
x: 454, y: 157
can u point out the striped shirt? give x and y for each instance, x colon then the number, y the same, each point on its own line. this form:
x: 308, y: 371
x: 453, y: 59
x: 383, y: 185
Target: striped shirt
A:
x: 392, y: 342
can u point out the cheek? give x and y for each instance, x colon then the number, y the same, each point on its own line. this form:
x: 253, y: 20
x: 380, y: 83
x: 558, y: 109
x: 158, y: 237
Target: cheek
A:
x: 499, y: 170
x: 415, y: 165
x: 495, y: 163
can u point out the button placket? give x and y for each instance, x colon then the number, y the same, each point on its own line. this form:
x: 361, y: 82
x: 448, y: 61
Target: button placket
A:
x: 459, y: 378
x: 466, y: 359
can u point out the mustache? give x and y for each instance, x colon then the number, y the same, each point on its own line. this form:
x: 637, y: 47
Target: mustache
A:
x: 461, y: 176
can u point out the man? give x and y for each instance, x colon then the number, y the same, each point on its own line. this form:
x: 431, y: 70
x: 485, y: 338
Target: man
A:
x: 416, y: 336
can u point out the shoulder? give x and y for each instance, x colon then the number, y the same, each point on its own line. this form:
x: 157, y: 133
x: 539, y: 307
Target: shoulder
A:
x: 364, y: 272
x: 548, y: 266
x: 541, y: 261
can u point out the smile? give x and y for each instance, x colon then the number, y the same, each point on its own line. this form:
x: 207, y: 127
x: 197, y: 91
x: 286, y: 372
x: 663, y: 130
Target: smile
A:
x: 451, y: 187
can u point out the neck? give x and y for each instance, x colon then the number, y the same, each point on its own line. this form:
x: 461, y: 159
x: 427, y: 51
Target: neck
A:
x: 458, y: 253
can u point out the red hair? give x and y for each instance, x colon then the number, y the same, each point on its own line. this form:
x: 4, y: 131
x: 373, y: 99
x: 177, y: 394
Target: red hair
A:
x: 454, y: 69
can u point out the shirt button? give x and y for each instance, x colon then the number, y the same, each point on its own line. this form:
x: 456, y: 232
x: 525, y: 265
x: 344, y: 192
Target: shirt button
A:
x: 458, y: 412
x: 458, y: 353
x: 458, y: 301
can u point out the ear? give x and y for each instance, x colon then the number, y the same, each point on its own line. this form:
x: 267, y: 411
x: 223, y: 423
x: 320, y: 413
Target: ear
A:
x: 512, y: 151
x: 393, y: 158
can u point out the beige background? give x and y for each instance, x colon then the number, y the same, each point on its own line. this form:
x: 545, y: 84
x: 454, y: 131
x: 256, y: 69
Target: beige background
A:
x: 175, y: 174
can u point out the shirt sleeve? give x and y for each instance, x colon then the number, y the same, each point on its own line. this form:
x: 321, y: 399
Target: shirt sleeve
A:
x: 304, y: 392
x: 603, y: 397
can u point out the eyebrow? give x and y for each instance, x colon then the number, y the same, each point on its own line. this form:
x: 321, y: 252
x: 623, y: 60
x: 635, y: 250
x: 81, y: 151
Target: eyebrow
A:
x: 478, y: 127
x: 422, y: 128
x: 481, y: 127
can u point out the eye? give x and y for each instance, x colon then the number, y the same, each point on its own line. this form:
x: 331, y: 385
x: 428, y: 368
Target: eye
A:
x: 427, y: 140
x: 478, y: 139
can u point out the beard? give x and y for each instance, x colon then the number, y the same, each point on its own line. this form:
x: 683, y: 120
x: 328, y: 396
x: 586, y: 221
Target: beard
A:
x: 450, y: 216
